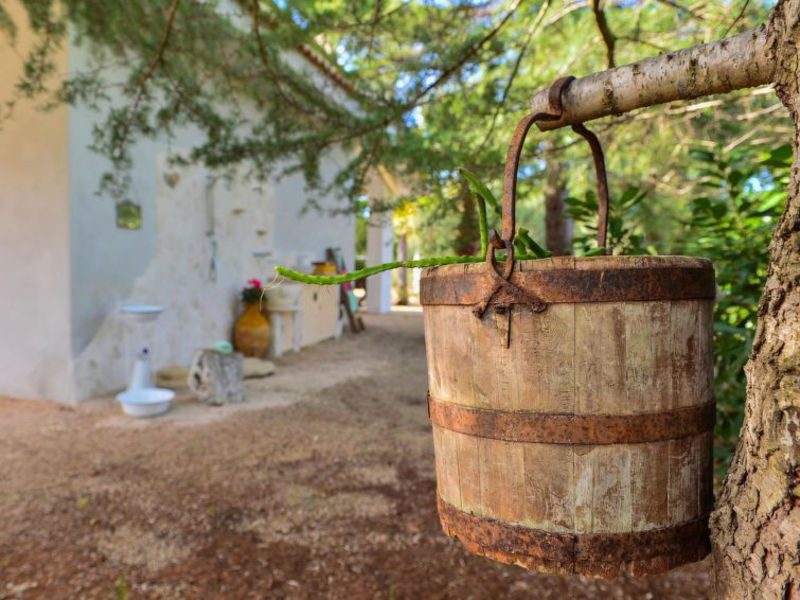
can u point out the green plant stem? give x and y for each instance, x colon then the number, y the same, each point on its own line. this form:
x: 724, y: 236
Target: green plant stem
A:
x: 482, y: 191
x: 483, y: 196
x: 531, y: 245
x: 482, y: 225
x: 409, y: 264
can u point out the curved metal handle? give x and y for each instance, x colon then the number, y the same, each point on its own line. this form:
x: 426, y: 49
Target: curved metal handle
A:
x: 512, y: 165
x: 602, y: 181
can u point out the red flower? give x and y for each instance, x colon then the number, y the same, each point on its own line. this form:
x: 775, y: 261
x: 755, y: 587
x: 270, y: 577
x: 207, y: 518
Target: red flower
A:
x: 256, y: 283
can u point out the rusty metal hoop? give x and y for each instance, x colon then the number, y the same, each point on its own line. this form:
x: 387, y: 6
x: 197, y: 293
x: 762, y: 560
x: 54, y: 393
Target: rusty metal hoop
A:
x: 513, y: 157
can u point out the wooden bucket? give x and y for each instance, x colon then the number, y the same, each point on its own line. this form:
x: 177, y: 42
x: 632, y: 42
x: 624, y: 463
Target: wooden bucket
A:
x: 573, y: 435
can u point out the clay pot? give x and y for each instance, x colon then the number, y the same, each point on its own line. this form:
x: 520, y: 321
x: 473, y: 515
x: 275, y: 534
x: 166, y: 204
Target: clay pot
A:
x: 324, y: 268
x: 251, y: 332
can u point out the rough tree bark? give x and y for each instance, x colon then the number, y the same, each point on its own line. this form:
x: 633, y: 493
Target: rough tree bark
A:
x: 730, y: 64
x: 756, y: 523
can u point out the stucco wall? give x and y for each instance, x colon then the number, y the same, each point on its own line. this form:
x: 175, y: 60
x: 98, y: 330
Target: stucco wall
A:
x: 34, y: 237
x: 167, y: 262
x: 105, y: 261
x: 67, y: 268
x: 311, y: 232
x: 199, y: 307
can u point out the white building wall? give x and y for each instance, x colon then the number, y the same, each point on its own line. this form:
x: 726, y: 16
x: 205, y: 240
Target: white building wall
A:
x: 34, y: 237
x: 248, y: 219
x: 67, y: 268
x: 199, y: 306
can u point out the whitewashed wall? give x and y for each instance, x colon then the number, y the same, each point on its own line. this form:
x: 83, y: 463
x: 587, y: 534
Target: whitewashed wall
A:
x: 199, y: 309
x: 34, y: 238
x: 66, y: 268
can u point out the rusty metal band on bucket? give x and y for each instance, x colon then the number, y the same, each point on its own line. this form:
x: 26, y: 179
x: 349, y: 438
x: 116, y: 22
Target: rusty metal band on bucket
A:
x: 598, y: 554
x: 564, y: 285
x: 564, y: 428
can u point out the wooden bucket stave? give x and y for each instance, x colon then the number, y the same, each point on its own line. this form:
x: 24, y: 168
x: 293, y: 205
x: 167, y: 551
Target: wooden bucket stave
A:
x: 585, y: 445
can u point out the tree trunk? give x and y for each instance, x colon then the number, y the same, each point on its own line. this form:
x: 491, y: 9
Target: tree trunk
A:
x: 402, y: 273
x: 756, y: 524
x: 558, y: 234
x: 468, y: 232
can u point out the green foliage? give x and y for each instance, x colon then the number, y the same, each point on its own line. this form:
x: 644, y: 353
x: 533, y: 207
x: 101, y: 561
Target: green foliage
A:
x: 625, y: 232
x: 736, y: 196
x: 524, y: 244
x: 481, y: 190
x: 468, y: 230
x: 529, y: 245
x: 422, y: 86
x: 731, y: 224
x: 121, y: 588
x: 7, y: 26
x: 483, y: 225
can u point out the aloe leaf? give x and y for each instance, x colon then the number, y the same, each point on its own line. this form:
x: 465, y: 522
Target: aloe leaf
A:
x: 531, y: 245
x: 596, y: 252
x: 482, y: 224
x: 482, y: 191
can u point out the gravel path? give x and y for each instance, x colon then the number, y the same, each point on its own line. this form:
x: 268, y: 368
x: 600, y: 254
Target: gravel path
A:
x: 321, y: 486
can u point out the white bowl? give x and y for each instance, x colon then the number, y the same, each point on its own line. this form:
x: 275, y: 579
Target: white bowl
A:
x: 142, y: 312
x: 145, y: 402
x: 284, y: 297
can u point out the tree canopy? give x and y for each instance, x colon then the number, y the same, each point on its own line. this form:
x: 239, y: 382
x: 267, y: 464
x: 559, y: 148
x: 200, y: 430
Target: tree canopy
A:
x: 422, y: 88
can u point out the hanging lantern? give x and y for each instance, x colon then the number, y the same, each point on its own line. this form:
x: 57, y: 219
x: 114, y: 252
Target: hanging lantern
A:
x: 571, y: 401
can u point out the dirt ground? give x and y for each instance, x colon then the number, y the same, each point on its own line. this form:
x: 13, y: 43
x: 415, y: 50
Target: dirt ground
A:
x: 321, y: 486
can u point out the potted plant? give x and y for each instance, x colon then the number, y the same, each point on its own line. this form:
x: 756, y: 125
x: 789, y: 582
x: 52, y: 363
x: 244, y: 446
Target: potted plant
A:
x: 251, y: 332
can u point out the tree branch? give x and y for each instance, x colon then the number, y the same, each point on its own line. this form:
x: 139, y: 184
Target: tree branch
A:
x: 531, y: 31
x: 737, y: 19
x: 255, y: 18
x: 375, y: 18
x: 162, y: 47
x: 446, y: 73
x: 686, y: 9
x: 151, y: 69
x: 471, y: 51
x: 720, y: 67
x: 609, y: 39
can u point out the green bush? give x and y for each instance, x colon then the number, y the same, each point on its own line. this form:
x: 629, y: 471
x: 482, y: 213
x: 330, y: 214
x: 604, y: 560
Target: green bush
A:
x: 740, y: 196
x: 736, y: 200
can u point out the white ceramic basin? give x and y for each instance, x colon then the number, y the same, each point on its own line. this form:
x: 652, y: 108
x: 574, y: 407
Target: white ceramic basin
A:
x: 145, y: 402
x: 142, y: 312
x: 283, y: 297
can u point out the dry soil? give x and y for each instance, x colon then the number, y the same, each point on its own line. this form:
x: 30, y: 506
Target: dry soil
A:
x: 321, y: 486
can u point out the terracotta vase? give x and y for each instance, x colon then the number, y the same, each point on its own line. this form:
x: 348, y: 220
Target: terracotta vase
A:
x: 324, y: 268
x: 251, y: 332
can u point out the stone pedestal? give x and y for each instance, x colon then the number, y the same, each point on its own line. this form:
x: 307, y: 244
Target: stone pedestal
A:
x: 278, y: 317
x: 217, y: 378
